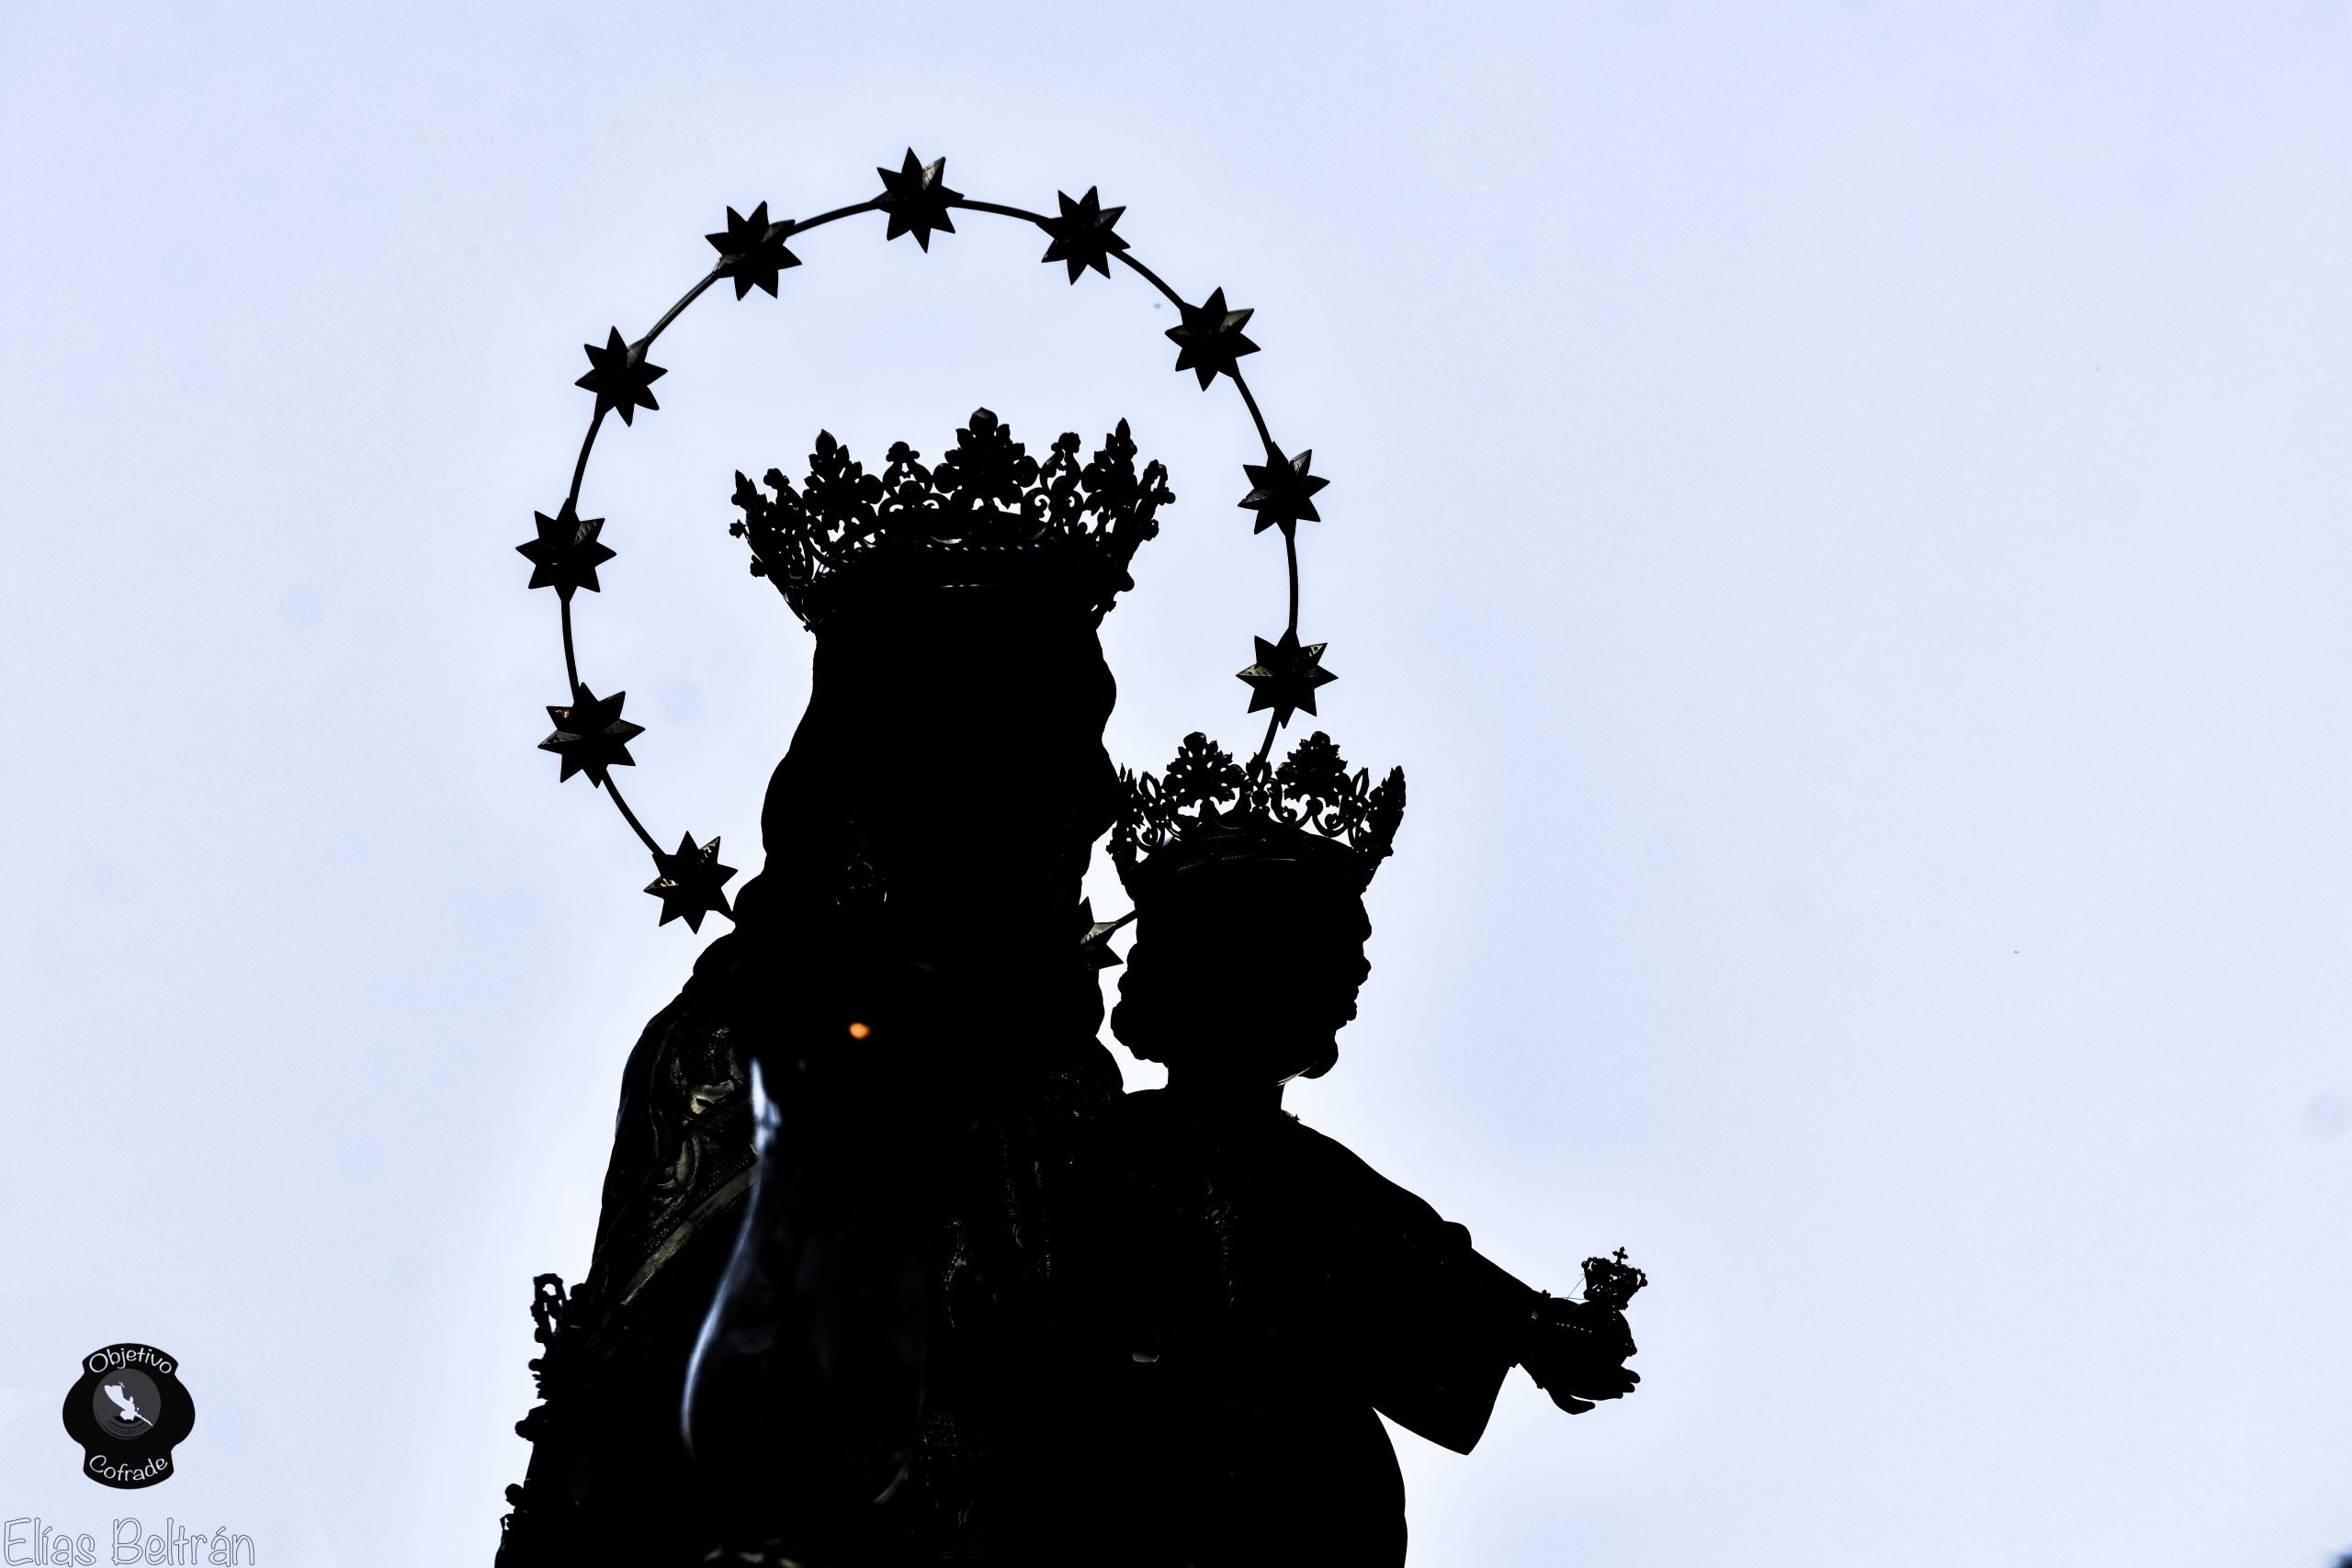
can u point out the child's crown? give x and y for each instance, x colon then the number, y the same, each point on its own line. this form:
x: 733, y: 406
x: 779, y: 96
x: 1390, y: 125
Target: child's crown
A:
x: 1208, y: 809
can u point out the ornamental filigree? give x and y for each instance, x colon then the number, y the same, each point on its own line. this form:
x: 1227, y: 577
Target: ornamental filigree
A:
x: 985, y: 497
x: 1207, y: 805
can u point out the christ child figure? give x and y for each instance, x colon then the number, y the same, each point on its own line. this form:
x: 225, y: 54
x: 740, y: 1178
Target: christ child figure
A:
x: 1275, y: 1291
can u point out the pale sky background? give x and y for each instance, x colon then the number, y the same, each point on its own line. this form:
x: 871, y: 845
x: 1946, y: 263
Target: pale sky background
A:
x: 1844, y: 510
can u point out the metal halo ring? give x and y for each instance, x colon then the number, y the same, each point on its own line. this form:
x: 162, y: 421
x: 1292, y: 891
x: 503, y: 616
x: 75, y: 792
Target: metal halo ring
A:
x: 689, y: 881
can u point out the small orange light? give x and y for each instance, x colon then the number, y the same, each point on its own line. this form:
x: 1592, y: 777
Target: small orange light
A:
x: 859, y: 1032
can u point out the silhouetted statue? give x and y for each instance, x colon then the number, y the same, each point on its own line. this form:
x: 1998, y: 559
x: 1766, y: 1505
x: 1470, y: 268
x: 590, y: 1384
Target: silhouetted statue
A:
x: 889, y: 1273
x: 906, y: 1014
x: 1273, y: 1290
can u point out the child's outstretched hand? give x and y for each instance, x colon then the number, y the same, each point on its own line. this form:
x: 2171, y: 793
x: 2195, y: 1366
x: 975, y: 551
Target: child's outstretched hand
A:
x: 1576, y: 1352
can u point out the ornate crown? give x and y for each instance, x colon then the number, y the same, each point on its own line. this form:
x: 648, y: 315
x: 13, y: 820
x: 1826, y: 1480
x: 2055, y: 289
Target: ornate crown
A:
x: 985, y: 512
x: 1209, y: 809
x: 1611, y: 1281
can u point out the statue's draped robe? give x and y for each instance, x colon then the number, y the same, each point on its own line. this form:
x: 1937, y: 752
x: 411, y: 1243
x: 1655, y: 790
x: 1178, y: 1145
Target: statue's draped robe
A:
x: 1275, y: 1292
x: 609, y: 1477
x: 953, y: 733
x: 992, y: 1478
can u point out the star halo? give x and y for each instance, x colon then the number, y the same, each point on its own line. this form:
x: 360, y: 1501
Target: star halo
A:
x: 590, y: 737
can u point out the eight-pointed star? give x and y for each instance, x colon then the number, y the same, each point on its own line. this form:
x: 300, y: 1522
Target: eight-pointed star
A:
x: 566, y: 553
x: 689, y: 883
x: 1283, y: 492
x: 751, y: 250
x: 592, y: 736
x: 1209, y: 339
x: 917, y: 199
x: 619, y: 373
x: 1285, y: 676
x: 1082, y: 234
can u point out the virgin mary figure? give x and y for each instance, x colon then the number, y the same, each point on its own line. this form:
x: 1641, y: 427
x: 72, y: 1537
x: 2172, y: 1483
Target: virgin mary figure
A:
x: 842, y: 1160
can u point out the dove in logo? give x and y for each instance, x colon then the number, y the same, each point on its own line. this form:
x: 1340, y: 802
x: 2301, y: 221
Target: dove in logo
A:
x: 126, y: 1404
x: 127, y: 1410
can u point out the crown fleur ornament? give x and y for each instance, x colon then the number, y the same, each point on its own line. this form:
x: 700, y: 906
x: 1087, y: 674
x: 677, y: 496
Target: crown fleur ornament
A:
x: 1208, y: 810
x: 986, y: 510
x: 983, y: 504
